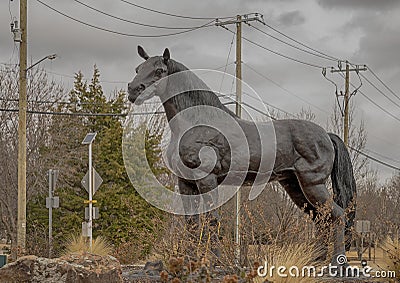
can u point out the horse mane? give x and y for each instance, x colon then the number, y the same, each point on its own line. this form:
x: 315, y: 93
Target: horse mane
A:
x: 199, y: 93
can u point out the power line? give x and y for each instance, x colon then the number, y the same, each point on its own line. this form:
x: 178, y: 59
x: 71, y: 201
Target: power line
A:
x: 248, y: 105
x: 269, y: 104
x: 380, y: 107
x: 387, y: 87
x: 227, y: 60
x: 374, y: 103
x: 122, y: 33
x: 130, y: 21
x: 292, y: 45
x: 73, y: 77
x: 282, y: 55
x: 172, y: 15
x: 383, y: 156
x: 352, y: 148
x: 298, y: 42
x: 284, y: 89
x: 162, y: 112
x: 380, y: 91
x: 375, y: 159
x: 276, y: 52
x: 68, y: 113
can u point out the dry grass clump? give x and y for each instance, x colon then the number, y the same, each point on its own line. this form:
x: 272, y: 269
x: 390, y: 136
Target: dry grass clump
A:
x: 392, y: 260
x: 295, y: 254
x: 76, y: 244
x: 182, y: 269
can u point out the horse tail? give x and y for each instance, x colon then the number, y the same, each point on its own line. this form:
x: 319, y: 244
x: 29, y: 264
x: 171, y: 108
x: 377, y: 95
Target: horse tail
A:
x: 344, y: 185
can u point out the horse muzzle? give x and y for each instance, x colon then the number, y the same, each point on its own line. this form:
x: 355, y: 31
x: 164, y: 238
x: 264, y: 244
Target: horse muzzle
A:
x: 135, y: 92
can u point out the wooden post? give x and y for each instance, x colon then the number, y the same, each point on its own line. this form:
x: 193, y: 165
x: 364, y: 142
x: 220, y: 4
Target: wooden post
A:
x: 239, y: 113
x: 346, y: 107
x: 21, y: 220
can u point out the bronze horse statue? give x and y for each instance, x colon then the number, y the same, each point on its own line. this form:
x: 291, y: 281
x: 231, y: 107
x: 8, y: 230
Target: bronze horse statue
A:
x: 305, y: 154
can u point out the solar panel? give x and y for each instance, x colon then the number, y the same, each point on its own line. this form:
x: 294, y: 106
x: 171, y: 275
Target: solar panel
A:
x: 89, y: 138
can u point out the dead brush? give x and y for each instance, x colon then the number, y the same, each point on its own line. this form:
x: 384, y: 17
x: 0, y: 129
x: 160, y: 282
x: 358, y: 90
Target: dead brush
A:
x: 392, y: 260
x: 76, y: 244
x: 183, y: 269
x: 293, y: 256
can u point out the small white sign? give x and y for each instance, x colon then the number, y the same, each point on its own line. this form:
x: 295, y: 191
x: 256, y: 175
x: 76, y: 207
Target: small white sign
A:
x: 363, y: 226
x: 97, y: 181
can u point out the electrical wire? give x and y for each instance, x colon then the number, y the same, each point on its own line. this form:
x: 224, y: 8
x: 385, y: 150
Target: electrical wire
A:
x: 73, y: 77
x: 383, y: 156
x: 248, y: 105
x: 375, y: 159
x: 373, y: 102
x: 66, y: 113
x: 269, y: 104
x: 387, y: 87
x: 292, y: 45
x: 284, y: 89
x: 162, y: 112
x: 122, y: 33
x: 380, y: 107
x: 226, y: 63
x: 380, y: 91
x: 281, y: 54
x: 130, y: 21
x: 352, y: 148
x: 298, y: 42
x: 172, y: 15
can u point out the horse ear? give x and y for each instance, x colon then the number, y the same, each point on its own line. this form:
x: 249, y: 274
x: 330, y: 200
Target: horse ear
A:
x: 166, y: 55
x: 142, y: 53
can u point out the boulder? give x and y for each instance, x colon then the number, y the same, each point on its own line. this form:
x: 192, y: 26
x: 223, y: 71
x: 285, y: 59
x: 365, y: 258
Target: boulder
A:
x: 74, y: 268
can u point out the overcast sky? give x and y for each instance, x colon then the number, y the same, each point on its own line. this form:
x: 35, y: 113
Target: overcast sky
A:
x: 362, y: 31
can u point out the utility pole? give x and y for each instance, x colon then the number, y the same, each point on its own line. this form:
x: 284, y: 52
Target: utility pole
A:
x: 347, y: 97
x: 238, y: 22
x: 239, y: 114
x: 21, y: 220
x: 239, y: 67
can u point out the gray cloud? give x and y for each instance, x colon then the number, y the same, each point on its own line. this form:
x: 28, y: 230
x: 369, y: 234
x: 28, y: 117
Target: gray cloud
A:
x: 378, y: 46
x: 359, y: 4
x: 291, y: 18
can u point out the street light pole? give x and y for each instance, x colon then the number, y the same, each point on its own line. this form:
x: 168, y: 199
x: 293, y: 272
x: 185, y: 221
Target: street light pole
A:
x: 89, y: 140
x: 90, y: 223
x: 21, y: 219
x: 22, y: 110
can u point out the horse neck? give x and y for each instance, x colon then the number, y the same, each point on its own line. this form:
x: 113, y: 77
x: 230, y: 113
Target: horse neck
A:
x: 185, y: 90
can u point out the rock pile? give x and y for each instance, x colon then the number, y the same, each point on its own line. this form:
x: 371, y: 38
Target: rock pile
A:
x: 75, y: 268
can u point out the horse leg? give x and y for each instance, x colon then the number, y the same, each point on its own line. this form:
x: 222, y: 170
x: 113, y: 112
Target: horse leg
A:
x: 293, y: 189
x: 319, y: 195
x: 192, y: 221
x: 211, y: 228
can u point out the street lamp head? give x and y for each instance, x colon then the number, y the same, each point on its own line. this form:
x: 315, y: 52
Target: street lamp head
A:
x: 52, y: 56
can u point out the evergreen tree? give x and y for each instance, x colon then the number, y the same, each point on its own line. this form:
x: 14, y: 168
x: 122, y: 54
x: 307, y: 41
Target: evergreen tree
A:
x: 123, y: 213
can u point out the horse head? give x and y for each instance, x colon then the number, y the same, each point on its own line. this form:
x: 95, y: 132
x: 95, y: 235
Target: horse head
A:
x: 149, y: 74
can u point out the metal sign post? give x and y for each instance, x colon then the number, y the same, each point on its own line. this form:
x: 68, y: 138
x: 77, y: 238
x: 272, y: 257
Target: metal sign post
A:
x: 90, y: 184
x: 363, y: 227
x: 52, y: 202
x: 90, y: 222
